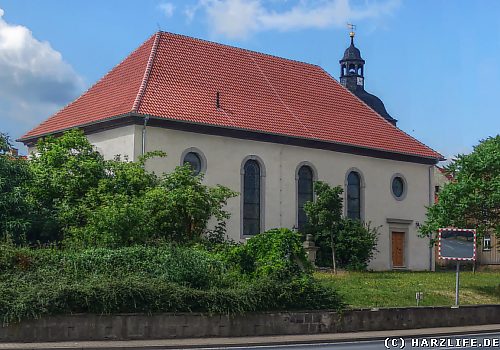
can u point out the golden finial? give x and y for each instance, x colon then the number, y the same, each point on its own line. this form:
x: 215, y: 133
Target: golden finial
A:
x: 352, y: 28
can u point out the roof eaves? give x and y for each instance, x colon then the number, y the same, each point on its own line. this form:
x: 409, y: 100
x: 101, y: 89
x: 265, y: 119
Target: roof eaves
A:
x: 32, y: 138
x: 285, y: 135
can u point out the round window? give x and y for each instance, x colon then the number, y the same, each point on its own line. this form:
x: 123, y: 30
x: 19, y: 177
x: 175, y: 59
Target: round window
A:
x: 398, y: 187
x: 194, y: 160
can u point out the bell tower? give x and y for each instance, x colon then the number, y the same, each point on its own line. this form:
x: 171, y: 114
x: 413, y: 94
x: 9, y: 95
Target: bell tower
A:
x: 352, y: 77
x: 352, y: 66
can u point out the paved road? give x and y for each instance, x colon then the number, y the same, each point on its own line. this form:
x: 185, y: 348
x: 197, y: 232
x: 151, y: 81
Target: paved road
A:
x: 468, y: 341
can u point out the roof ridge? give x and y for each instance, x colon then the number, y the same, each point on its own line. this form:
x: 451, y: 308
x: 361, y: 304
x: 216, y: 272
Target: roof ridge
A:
x: 147, y: 71
x: 240, y: 48
x: 385, y: 120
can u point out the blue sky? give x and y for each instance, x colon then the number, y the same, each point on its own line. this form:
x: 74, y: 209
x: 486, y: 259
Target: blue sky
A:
x: 434, y: 63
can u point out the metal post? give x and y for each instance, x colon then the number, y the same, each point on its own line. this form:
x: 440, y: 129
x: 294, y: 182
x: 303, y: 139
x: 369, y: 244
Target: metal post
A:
x: 457, y: 283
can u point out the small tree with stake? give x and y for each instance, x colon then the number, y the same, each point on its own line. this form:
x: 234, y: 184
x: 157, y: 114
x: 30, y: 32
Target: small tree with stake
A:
x: 324, y: 214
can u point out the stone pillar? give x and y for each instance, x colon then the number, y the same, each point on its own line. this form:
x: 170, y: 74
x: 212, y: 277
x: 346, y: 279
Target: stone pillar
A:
x: 310, y: 248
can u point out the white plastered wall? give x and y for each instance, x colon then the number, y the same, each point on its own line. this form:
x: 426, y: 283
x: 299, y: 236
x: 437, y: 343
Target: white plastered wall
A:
x: 224, y: 157
x: 118, y: 141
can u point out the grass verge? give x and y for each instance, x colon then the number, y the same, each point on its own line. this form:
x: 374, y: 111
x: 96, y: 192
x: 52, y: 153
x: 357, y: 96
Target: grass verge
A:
x: 397, y: 289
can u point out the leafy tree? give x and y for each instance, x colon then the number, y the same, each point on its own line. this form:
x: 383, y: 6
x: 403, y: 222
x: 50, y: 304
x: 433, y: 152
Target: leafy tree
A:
x: 4, y: 143
x: 192, y: 203
x: 355, y: 244
x: 14, y: 205
x: 324, y: 215
x: 344, y: 242
x: 64, y: 170
x: 472, y: 199
x: 71, y: 181
x: 126, y: 177
x: 177, y: 209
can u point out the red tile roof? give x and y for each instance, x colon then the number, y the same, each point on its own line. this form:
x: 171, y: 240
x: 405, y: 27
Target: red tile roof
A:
x: 445, y: 173
x: 177, y: 77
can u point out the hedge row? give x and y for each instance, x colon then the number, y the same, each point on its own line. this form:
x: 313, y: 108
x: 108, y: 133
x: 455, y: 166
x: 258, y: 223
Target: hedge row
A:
x: 269, y: 274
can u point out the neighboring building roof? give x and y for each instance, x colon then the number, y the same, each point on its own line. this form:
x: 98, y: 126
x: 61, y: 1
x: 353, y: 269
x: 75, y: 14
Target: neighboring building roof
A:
x: 174, y: 77
x: 445, y: 173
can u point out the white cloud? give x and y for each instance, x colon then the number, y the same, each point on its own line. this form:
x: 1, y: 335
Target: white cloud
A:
x: 167, y: 8
x: 34, y: 79
x: 241, y: 18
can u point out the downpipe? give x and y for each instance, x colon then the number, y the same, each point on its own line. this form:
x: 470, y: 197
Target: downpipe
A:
x: 146, y: 119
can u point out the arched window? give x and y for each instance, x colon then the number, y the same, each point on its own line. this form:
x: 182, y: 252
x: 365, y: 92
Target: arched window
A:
x: 251, y: 197
x: 304, y: 193
x: 353, y: 195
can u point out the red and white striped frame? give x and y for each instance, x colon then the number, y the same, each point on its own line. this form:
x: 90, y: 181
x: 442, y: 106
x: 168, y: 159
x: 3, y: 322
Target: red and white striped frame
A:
x: 457, y: 229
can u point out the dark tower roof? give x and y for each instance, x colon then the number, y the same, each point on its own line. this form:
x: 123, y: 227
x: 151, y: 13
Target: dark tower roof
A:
x: 352, y: 53
x: 352, y: 77
x: 375, y: 103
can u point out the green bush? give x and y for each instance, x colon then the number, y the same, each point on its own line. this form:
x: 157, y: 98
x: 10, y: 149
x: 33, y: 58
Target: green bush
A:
x: 277, y: 252
x: 162, y: 278
x: 356, y: 243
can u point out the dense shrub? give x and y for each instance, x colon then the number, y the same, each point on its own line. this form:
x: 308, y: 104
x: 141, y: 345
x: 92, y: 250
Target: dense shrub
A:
x: 161, y: 278
x: 356, y: 243
x: 276, y: 253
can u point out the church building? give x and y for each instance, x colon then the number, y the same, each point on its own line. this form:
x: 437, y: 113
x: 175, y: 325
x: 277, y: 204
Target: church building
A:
x: 266, y: 127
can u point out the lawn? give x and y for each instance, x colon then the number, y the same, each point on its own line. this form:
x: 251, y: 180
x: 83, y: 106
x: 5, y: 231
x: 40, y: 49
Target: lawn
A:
x: 393, y: 289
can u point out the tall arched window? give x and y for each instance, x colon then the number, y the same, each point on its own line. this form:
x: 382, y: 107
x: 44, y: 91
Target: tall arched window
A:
x: 353, y: 195
x: 251, y: 197
x: 304, y: 193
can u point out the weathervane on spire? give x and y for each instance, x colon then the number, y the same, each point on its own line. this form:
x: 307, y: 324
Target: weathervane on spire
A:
x: 352, y: 28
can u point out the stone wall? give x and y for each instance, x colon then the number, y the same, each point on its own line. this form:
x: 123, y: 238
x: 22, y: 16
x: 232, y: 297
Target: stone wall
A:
x: 168, y: 326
